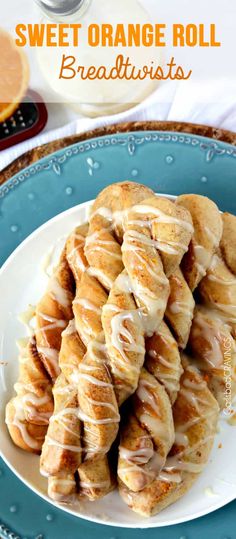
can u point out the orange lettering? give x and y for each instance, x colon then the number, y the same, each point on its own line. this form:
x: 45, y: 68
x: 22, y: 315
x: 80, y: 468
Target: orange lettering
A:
x: 65, y: 66
x: 20, y: 28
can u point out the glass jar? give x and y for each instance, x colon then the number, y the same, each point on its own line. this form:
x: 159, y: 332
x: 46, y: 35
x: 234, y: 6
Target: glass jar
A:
x: 95, y: 97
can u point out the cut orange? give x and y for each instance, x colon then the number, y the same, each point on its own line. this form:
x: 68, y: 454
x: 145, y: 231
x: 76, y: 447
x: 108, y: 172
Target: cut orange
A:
x: 14, y: 75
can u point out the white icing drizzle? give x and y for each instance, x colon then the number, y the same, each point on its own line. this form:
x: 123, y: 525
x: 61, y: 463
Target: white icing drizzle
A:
x: 61, y: 482
x: 92, y: 484
x: 135, y: 468
x: 214, y: 238
x: 139, y: 456
x: 70, y: 329
x: 52, y: 356
x: 104, y: 212
x: 101, y: 276
x: 102, y: 404
x: 94, y: 380
x: 161, y: 217
x: 58, y: 293
x: 120, y: 332
x: 203, y: 257
x: 31, y: 401
x: 64, y: 418
x: 88, y: 305
x: 54, y: 323
x: 27, y: 318
x: 101, y: 249
x: 19, y: 421
x: 74, y: 448
x: 213, y: 336
x: 51, y: 353
x: 169, y: 247
x: 221, y: 280
x: 93, y: 421
x: 180, y: 307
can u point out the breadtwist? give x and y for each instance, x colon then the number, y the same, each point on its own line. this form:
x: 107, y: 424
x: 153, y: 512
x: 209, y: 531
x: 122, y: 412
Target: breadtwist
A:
x: 213, y: 332
x: 97, y: 403
x: 214, y: 350
x: 27, y: 414
x: 61, y: 452
x: 207, y: 224
x: 163, y: 360
x: 148, y: 435
x: 53, y: 313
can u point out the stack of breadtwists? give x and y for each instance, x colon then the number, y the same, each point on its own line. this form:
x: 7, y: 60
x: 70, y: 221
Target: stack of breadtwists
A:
x: 113, y: 324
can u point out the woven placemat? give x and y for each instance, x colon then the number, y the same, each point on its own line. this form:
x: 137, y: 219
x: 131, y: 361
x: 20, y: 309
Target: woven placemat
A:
x: 41, y: 151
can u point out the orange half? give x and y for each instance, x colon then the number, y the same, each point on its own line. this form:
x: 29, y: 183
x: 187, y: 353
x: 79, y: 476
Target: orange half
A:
x: 14, y: 75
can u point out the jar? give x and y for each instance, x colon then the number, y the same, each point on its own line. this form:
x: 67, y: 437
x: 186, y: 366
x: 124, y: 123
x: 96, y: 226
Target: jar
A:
x: 95, y: 97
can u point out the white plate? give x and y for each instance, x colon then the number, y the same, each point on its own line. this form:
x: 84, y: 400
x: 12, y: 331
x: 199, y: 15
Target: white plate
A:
x: 22, y: 282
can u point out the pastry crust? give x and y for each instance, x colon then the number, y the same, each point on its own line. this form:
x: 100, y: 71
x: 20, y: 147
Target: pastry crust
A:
x: 34, y: 386
x: 53, y: 313
x: 95, y: 478
x: 148, y: 435
x: 228, y: 241
x: 62, y: 451
x: 25, y: 435
x: 98, y: 404
x: 163, y: 360
x: 208, y: 228
x: 28, y: 414
x: 218, y: 290
x: 214, y: 351
x: 180, y: 307
x: 124, y: 338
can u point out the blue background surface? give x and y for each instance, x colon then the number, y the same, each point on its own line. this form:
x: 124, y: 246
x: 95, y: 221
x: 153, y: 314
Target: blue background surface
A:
x: 167, y: 162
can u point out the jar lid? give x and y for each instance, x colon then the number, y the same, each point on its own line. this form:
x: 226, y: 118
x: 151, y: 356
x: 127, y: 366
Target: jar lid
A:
x: 60, y: 7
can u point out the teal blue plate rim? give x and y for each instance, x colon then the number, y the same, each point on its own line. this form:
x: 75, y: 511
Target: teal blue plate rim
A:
x: 55, y: 160
x: 54, y: 163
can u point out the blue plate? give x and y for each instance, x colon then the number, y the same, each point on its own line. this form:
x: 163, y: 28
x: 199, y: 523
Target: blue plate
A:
x: 169, y: 163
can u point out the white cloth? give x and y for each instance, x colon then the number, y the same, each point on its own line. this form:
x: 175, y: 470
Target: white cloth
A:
x: 167, y: 103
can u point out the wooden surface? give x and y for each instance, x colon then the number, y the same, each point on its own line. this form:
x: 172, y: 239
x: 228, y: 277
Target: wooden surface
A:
x: 41, y: 151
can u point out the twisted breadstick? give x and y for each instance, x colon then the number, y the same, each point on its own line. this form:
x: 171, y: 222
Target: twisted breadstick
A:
x: 124, y: 337
x: 146, y: 443
x: 25, y: 435
x: 33, y: 404
x: 61, y: 452
x: 53, y: 313
x: 207, y: 224
x: 228, y: 241
x: 213, y: 332
x: 180, y: 307
x: 97, y: 402
x: 62, y: 483
x: 195, y: 415
x: 218, y: 290
x: 214, y: 350
x: 163, y: 360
